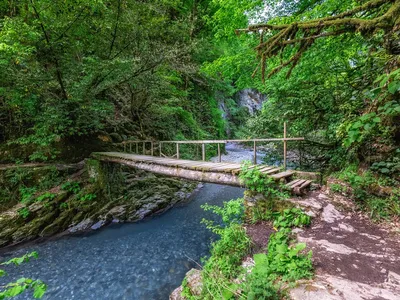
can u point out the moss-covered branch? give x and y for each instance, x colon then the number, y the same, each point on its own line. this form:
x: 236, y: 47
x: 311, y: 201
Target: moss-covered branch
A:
x: 303, y: 34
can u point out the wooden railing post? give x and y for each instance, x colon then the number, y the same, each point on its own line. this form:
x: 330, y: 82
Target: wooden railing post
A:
x: 203, y: 151
x: 177, y: 151
x: 137, y: 148
x: 160, y: 149
x: 152, y: 149
x: 130, y: 147
x: 255, y: 153
x: 124, y: 146
x: 284, y: 146
x: 144, y: 148
x: 219, y: 153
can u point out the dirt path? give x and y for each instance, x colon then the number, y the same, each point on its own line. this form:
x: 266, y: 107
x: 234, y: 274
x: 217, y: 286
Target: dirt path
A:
x: 353, y: 258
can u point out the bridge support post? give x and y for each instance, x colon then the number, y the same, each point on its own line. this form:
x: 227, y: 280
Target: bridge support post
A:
x: 284, y: 146
x: 177, y: 151
x: 255, y: 153
x: 203, y: 151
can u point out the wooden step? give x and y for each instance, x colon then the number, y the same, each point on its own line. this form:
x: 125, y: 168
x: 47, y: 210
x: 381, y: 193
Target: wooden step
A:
x: 282, y: 175
x: 272, y: 171
x: 299, y: 190
x: 295, y: 183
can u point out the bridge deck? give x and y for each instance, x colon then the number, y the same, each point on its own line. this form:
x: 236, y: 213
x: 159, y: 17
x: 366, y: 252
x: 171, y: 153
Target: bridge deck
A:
x: 223, y: 173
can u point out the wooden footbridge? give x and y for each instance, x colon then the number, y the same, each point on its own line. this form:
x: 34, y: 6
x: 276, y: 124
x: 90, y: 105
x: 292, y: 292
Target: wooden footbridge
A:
x: 213, y: 172
x: 221, y: 173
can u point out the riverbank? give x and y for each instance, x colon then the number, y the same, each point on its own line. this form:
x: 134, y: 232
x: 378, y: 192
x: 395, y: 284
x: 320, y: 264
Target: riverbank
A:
x: 77, y: 204
x: 142, y: 260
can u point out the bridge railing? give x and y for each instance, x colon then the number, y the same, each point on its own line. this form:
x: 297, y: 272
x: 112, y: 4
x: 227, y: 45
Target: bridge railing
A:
x: 158, y: 145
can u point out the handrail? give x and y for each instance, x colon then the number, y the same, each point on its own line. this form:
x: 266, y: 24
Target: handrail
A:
x: 285, y: 139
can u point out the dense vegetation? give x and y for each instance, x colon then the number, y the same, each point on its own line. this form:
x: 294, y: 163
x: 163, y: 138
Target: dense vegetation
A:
x: 78, y: 76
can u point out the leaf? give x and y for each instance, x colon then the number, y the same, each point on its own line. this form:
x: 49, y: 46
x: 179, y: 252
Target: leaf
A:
x: 39, y: 290
x: 394, y: 86
x: 376, y: 119
x: 384, y: 170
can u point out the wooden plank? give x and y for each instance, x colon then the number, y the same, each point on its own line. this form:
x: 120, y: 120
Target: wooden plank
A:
x: 298, y: 182
x: 226, y: 168
x: 266, y: 169
x: 283, y: 175
x: 293, y: 182
x: 299, y: 189
x: 272, y: 171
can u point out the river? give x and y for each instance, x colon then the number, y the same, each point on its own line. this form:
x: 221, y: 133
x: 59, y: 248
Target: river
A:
x: 144, y: 260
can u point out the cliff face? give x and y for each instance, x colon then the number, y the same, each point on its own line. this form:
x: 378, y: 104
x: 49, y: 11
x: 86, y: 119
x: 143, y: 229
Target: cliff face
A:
x: 250, y: 99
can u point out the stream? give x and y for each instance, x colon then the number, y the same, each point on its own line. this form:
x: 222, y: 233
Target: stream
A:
x: 143, y: 260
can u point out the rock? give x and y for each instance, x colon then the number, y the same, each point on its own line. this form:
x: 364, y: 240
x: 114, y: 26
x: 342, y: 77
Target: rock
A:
x: 177, y: 294
x: 251, y: 99
x: 98, y: 225
x: 330, y: 214
x: 346, y: 227
x: 81, y: 226
x: 194, y: 282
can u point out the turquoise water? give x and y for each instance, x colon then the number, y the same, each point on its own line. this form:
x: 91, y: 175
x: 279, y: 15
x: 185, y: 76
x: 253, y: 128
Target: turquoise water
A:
x: 145, y: 260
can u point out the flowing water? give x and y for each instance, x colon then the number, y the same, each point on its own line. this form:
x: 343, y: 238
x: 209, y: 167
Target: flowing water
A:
x: 145, y: 260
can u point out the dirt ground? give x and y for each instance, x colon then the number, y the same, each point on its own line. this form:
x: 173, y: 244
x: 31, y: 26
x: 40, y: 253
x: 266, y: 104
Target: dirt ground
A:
x: 353, y: 258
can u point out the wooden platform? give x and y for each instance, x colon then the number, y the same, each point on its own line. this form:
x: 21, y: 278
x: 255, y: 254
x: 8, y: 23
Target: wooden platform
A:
x: 221, y: 173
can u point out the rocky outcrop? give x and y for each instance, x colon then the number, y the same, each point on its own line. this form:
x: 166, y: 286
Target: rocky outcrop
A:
x: 251, y: 99
x: 192, y: 285
x: 130, y: 196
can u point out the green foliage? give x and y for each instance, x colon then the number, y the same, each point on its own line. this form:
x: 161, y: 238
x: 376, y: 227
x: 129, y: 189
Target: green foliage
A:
x: 75, y: 71
x: 16, y: 288
x: 24, y: 212
x: 283, y: 263
x: 87, y: 197
x: 337, y: 188
x: 47, y: 196
x: 231, y: 212
x: 289, y: 218
x: 224, y: 262
x: 379, y: 195
x: 258, y: 182
x: 71, y: 186
x: 390, y: 167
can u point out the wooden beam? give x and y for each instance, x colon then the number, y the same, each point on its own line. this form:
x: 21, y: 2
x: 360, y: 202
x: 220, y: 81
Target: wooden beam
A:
x: 211, y: 177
